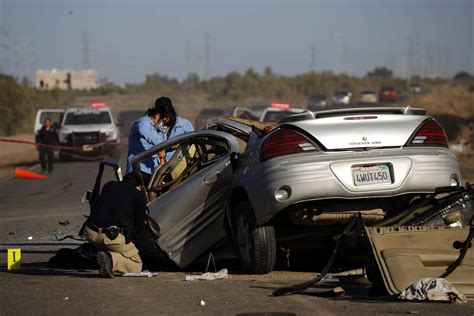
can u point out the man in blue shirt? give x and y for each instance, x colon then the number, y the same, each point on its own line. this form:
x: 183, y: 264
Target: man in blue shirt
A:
x: 158, y: 125
x: 171, y: 124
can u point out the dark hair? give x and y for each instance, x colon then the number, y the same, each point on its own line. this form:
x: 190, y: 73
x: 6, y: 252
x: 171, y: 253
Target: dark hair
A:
x: 164, y: 106
x: 152, y: 112
x: 133, y: 178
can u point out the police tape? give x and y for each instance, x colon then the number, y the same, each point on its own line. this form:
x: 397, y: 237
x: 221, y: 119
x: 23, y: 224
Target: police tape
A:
x: 85, y: 149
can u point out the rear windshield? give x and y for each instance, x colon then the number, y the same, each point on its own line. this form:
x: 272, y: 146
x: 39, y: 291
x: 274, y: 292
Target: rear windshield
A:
x: 274, y: 116
x: 83, y: 118
x: 55, y: 117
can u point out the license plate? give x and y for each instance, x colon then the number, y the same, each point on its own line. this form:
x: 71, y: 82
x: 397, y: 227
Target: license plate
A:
x: 375, y: 174
x: 87, y: 148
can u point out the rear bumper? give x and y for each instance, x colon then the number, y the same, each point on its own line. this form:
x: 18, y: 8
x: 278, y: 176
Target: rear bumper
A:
x: 329, y: 176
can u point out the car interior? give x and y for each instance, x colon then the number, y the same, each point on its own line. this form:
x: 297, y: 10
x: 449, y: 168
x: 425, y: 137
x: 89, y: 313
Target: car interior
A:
x: 188, y: 158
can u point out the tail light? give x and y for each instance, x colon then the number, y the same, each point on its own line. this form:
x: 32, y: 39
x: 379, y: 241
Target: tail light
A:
x: 285, y: 142
x: 431, y: 133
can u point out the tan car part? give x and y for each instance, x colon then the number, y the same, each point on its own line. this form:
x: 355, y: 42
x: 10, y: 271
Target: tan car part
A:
x: 406, y: 254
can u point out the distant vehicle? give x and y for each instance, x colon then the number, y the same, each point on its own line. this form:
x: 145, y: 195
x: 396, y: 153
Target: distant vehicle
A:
x: 317, y: 102
x: 278, y: 111
x: 342, y: 97
x: 388, y: 94
x: 368, y: 97
x: 415, y: 88
x: 90, y: 129
x: 208, y: 114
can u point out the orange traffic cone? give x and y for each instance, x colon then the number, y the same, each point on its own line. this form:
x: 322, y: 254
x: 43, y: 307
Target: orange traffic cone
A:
x: 26, y: 174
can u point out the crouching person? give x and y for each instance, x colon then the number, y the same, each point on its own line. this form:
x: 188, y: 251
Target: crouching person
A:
x: 119, y: 211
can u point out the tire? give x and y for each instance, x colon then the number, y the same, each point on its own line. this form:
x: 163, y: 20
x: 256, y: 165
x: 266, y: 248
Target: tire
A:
x: 256, y: 246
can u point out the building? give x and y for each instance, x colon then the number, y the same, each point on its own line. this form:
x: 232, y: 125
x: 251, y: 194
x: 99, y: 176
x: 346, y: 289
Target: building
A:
x: 66, y: 79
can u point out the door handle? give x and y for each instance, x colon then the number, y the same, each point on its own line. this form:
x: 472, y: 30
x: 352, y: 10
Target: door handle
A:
x: 212, y: 177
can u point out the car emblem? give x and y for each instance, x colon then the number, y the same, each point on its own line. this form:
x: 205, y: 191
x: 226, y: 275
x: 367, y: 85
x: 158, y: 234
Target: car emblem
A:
x: 364, y: 138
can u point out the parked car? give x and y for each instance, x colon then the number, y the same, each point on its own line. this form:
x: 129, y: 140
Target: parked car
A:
x: 89, y: 129
x: 367, y: 97
x: 342, y: 97
x: 317, y: 102
x: 292, y: 184
x: 208, y: 114
x: 415, y: 88
x: 388, y: 94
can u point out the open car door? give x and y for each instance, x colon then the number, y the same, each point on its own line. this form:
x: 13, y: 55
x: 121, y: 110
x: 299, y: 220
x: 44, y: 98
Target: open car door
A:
x: 187, y: 193
x: 407, y: 254
x: 55, y: 115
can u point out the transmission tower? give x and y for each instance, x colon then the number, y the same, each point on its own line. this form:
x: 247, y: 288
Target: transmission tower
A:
x: 86, y: 50
x: 312, y: 58
x: 339, y: 47
x: 207, y: 55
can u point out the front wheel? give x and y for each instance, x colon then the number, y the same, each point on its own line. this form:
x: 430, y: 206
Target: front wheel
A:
x: 256, y: 245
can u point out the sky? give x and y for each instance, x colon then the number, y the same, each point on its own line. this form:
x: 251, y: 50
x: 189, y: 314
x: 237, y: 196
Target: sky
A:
x: 128, y: 39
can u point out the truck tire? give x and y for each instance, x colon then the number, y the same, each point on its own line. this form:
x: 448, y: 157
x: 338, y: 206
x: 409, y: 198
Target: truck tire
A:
x: 255, y: 245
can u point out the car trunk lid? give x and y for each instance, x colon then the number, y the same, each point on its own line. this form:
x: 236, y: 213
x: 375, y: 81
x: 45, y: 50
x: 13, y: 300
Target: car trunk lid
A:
x: 362, y: 130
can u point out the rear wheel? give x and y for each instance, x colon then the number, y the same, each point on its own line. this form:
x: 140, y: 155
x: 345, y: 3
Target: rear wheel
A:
x: 256, y: 245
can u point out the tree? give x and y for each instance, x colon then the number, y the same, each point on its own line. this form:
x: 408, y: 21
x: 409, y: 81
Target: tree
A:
x: 462, y: 75
x: 381, y: 72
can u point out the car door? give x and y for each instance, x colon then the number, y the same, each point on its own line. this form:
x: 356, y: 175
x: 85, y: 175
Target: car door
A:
x: 187, y: 194
x: 406, y: 254
x: 56, y: 116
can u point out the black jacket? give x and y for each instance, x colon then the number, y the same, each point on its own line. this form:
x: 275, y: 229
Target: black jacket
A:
x: 119, y: 204
x: 47, y: 136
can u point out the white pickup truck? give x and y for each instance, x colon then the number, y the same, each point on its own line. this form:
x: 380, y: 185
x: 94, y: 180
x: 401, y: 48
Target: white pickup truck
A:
x: 90, y: 129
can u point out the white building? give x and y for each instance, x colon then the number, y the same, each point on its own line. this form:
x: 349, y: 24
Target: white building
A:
x: 66, y: 79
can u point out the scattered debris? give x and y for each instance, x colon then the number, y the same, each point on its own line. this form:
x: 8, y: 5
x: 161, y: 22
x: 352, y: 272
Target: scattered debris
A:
x: 64, y: 223
x: 11, y: 233
x: 30, y: 237
x: 433, y: 289
x: 203, y: 303
x: 209, y: 276
x: 144, y: 273
x: 66, y: 298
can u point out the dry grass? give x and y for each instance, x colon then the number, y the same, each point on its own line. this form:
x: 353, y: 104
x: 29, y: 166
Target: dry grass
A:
x: 447, y: 99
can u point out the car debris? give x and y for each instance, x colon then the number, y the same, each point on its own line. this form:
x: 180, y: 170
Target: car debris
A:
x: 208, y: 276
x: 64, y: 223
x: 433, y: 289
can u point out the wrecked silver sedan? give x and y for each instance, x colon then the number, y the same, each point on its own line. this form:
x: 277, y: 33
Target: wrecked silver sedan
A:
x: 292, y: 184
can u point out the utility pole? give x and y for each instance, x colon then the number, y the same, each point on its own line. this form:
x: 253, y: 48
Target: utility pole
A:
x: 312, y: 58
x: 86, y: 50
x: 24, y: 57
x: 207, y: 55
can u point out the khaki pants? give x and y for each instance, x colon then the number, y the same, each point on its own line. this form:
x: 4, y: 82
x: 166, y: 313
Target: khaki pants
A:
x: 125, y: 257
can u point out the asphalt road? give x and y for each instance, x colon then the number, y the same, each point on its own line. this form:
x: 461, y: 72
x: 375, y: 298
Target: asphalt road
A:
x: 35, y: 208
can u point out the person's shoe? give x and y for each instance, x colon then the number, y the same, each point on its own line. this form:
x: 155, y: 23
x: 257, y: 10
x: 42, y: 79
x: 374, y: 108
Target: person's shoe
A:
x: 104, y: 260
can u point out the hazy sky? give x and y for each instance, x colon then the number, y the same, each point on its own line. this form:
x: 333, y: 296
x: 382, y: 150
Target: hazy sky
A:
x: 129, y: 39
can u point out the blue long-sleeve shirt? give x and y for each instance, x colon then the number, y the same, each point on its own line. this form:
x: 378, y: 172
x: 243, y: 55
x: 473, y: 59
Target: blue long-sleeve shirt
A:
x: 144, y: 135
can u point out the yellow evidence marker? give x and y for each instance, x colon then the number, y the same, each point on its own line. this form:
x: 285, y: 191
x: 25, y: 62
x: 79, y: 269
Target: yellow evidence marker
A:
x: 14, y: 259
